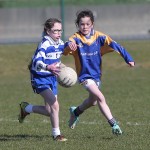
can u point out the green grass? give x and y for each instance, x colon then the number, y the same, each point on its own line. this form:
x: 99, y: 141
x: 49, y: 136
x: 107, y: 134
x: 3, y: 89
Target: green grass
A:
x: 45, y: 3
x: 126, y: 90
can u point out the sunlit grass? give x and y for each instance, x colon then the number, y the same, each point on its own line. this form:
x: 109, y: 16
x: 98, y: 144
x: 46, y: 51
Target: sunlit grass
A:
x: 126, y: 90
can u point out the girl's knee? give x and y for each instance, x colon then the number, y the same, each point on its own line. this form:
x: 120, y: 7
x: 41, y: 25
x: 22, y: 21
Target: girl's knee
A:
x: 55, y: 106
x: 94, y: 103
x: 101, y: 101
x: 48, y: 109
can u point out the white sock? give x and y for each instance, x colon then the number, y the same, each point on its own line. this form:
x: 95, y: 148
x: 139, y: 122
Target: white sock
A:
x: 28, y: 109
x: 55, y: 132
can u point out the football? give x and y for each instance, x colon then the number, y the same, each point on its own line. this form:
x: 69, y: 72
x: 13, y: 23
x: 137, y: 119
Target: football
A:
x: 67, y: 77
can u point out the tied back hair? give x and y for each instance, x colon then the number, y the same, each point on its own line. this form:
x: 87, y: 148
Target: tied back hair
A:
x: 48, y: 25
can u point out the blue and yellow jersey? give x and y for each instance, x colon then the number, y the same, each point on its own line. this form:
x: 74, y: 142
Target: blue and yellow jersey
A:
x: 89, y: 52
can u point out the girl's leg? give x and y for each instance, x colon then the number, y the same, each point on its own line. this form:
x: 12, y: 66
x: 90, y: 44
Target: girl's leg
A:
x: 76, y: 111
x: 42, y: 110
x: 94, y: 94
x: 51, y: 107
x: 94, y: 90
x: 89, y: 102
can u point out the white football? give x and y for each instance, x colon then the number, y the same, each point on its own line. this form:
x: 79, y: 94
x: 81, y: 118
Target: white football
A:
x: 67, y: 77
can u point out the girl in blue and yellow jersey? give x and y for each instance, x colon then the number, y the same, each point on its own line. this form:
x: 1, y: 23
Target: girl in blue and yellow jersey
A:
x: 44, y: 68
x: 87, y: 47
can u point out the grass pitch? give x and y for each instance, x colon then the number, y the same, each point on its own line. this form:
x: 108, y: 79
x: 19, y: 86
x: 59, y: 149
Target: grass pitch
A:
x: 126, y: 90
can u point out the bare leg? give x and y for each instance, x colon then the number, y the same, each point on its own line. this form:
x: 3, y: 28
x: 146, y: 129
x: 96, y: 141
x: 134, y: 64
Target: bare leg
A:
x: 96, y: 94
x: 51, y: 107
x: 89, y: 102
x: 41, y: 110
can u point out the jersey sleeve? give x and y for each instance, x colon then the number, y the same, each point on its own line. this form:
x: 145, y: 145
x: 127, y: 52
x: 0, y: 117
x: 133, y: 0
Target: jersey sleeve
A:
x: 111, y: 45
x: 122, y: 51
x: 38, y: 61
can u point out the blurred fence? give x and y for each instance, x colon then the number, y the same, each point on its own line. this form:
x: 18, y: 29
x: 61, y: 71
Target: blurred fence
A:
x: 119, y: 21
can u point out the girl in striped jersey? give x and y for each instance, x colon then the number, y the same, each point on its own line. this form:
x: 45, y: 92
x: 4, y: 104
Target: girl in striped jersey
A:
x: 44, y: 68
x: 87, y: 47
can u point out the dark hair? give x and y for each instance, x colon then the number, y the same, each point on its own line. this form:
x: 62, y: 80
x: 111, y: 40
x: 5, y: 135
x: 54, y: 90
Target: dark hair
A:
x: 50, y: 23
x: 82, y: 14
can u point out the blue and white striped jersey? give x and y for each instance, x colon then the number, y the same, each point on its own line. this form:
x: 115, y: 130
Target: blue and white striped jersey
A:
x: 47, y: 52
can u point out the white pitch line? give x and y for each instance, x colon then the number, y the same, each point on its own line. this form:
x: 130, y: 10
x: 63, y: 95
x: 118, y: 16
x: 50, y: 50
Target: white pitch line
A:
x: 81, y: 122
x: 137, y: 124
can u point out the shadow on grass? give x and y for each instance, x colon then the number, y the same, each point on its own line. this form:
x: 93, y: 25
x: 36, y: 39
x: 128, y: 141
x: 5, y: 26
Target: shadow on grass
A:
x: 19, y: 137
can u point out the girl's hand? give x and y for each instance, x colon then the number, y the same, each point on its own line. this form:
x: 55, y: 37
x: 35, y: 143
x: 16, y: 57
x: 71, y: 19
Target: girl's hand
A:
x: 72, y: 46
x: 53, y: 68
x: 132, y: 64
